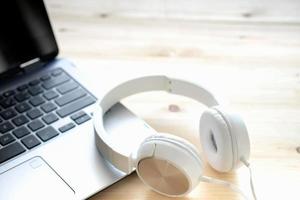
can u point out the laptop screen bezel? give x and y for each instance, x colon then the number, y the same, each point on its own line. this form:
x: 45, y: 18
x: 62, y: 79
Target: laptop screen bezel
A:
x: 40, y: 58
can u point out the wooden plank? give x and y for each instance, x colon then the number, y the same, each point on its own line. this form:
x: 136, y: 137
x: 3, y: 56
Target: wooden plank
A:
x: 221, y: 41
x: 213, y: 10
x: 233, y: 43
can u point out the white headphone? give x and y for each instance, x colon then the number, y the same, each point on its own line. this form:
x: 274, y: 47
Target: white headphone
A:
x: 168, y: 164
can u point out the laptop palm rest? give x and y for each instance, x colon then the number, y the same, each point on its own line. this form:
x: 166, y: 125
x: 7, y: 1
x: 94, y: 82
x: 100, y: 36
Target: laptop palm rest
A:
x: 33, y: 179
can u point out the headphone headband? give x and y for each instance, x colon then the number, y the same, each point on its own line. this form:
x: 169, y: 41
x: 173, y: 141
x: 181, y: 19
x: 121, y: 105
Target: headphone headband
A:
x: 134, y: 86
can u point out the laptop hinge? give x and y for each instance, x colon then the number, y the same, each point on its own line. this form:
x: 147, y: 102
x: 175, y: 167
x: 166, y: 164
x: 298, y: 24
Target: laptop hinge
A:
x: 21, y: 69
x: 31, y: 65
x: 30, y: 62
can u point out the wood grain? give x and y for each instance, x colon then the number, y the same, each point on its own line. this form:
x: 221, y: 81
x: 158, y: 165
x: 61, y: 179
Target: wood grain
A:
x: 246, y: 51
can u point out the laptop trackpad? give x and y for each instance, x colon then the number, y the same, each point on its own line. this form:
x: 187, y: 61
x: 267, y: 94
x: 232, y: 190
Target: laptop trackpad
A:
x: 33, y: 179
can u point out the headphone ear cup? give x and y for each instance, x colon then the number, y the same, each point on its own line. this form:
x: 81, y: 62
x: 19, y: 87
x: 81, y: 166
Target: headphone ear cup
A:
x: 216, y: 141
x: 168, y: 164
x: 239, y: 133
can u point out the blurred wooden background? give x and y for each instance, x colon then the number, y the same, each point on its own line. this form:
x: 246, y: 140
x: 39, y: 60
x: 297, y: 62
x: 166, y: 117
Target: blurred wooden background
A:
x: 247, y: 50
x: 182, y: 29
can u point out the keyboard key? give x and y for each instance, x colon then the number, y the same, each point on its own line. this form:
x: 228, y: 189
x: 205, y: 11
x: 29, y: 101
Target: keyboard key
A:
x: 35, y: 90
x: 9, y: 93
x: 55, y: 81
x: 50, y: 118
x: 82, y: 119
x: 5, y: 127
x: 30, y: 141
x: 48, y: 107
x: 23, y: 107
x: 36, y: 125
x: 8, y: 102
x: 34, y: 113
x: 10, y: 151
x: 22, y: 96
x: 36, y: 101
x: 45, y: 77
x: 77, y: 115
x: 34, y: 82
x: 47, y: 133
x: 57, y: 72
x: 20, y: 120
x: 66, y: 127
x: 67, y: 87
x: 71, y: 96
x: 75, y: 106
x: 50, y: 95
x: 6, y: 139
x: 7, y: 114
x: 21, y: 132
x: 22, y: 87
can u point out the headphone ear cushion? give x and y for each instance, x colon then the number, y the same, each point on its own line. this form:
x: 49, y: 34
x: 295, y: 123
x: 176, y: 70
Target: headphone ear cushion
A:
x: 239, y: 133
x: 216, y: 141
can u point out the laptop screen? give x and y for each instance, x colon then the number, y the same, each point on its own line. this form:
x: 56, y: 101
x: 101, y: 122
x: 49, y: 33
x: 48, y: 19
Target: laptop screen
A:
x: 25, y: 33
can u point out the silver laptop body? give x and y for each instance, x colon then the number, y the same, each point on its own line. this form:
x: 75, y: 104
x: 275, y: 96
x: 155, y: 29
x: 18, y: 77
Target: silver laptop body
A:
x: 58, y: 159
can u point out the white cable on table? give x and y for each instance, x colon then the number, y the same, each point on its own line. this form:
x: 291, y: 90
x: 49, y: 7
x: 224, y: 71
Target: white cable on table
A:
x: 232, y: 186
x: 225, y: 184
x: 247, y: 164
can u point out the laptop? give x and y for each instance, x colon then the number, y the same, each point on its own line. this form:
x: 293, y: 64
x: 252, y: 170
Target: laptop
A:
x: 47, y: 148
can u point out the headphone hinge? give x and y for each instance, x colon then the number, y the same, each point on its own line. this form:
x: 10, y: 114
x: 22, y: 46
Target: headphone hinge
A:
x: 169, y: 85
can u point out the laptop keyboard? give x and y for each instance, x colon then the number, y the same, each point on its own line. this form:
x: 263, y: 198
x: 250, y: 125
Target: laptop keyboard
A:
x: 28, y: 112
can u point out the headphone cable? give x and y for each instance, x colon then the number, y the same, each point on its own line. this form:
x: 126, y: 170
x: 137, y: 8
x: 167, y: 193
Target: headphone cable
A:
x: 232, y: 186
x: 247, y: 164
x: 225, y: 184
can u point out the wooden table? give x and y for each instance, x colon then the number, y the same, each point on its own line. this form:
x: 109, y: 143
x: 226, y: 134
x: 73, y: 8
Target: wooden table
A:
x: 249, y: 53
